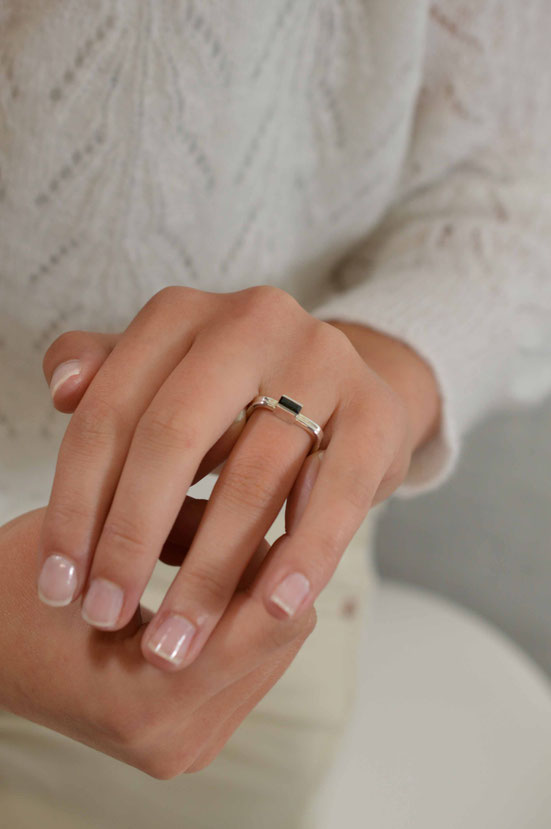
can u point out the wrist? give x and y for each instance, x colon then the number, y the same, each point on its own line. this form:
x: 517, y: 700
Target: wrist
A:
x: 405, y: 371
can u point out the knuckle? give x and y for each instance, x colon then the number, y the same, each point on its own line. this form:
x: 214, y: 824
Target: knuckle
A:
x: 63, y: 517
x: 123, y: 534
x: 208, y: 586
x: 266, y: 299
x: 169, y: 296
x: 165, y: 429
x: 97, y: 419
x: 334, y: 342
x: 331, y: 345
x: 266, y: 293
x: 162, y: 298
x: 247, y: 487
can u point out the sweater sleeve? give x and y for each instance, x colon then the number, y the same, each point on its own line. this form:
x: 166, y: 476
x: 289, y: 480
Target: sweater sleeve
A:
x: 460, y: 266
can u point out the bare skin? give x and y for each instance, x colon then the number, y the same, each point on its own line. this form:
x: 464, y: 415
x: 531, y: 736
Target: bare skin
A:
x: 96, y: 688
x: 154, y: 410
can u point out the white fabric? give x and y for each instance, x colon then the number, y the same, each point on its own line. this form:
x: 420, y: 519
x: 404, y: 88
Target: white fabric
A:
x: 396, y: 150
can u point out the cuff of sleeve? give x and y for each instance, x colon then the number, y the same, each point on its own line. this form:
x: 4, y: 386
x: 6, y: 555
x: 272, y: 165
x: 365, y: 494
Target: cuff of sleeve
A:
x: 456, y: 324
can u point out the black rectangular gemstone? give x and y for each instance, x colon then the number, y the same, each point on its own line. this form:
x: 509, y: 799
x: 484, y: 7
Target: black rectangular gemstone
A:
x: 289, y: 403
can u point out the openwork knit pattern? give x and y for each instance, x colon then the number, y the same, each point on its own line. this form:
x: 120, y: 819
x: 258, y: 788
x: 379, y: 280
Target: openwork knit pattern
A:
x: 385, y: 161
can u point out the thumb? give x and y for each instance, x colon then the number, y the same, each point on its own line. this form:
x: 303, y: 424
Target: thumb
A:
x: 72, y: 361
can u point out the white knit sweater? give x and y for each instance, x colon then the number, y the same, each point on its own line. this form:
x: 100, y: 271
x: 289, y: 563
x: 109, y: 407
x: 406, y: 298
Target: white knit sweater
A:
x: 385, y: 161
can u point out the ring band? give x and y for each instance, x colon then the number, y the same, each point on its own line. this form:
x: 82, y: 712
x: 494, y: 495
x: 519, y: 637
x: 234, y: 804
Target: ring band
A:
x: 288, y: 407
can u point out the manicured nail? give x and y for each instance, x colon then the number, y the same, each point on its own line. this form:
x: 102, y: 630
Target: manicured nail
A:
x: 57, y: 581
x: 102, y: 603
x: 62, y: 373
x: 172, y: 639
x: 289, y: 594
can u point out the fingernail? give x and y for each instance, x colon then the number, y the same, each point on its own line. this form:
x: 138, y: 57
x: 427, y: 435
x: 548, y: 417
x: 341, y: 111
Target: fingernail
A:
x: 102, y: 603
x: 172, y: 639
x: 62, y: 373
x: 289, y: 594
x: 57, y: 581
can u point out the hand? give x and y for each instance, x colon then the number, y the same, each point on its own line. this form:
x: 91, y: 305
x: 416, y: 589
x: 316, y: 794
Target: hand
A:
x: 96, y: 688
x: 166, y: 394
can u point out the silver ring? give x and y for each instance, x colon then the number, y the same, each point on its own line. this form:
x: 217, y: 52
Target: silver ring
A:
x: 291, y: 410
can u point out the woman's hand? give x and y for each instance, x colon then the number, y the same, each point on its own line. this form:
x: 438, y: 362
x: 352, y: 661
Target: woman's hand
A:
x: 96, y: 688
x: 158, y: 411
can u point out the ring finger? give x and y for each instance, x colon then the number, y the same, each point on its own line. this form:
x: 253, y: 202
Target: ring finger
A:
x: 244, y: 502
